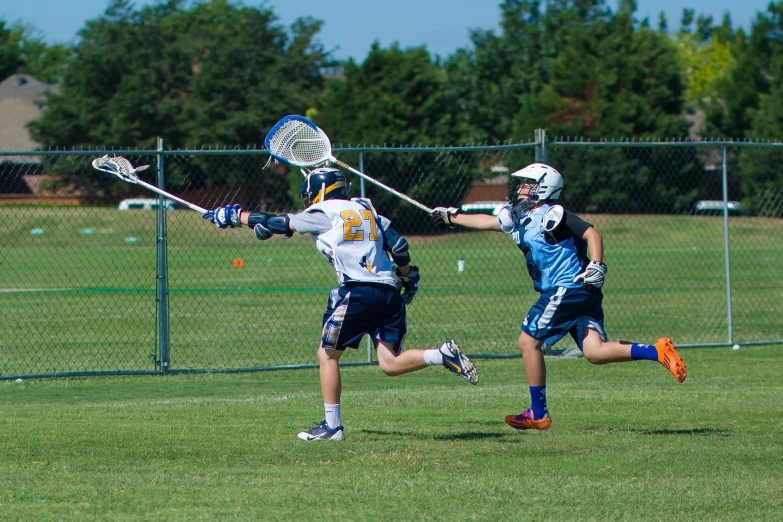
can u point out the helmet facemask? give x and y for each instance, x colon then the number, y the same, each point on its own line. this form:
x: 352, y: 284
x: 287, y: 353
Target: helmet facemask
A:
x: 521, y: 204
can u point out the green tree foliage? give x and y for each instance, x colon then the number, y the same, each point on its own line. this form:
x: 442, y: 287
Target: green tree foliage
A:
x: 762, y: 178
x: 612, y: 78
x: 218, y: 72
x: 706, y: 65
x: 23, y: 50
x: 10, y: 53
x: 396, y: 97
x: 494, y: 79
x: 44, y: 62
x: 739, y: 93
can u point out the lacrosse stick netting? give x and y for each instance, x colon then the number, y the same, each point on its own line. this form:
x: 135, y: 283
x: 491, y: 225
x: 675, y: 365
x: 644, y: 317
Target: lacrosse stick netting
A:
x: 123, y: 169
x: 297, y: 141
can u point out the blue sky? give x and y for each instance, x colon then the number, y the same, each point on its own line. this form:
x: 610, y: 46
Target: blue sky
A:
x: 352, y: 25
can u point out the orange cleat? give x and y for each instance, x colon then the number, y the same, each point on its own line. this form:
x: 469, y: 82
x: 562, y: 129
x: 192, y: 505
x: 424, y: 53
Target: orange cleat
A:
x: 669, y: 357
x: 526, y: 421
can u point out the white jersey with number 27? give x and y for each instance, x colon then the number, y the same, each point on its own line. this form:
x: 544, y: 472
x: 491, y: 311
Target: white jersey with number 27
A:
x: 354, y: 243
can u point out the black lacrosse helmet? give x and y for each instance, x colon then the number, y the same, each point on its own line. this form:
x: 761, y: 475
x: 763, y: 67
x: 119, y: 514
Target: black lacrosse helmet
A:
x: 322, y: 184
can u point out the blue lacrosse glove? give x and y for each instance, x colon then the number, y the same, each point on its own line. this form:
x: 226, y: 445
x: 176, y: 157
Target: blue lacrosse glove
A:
x: 410, y: 283
x: 224, y: 217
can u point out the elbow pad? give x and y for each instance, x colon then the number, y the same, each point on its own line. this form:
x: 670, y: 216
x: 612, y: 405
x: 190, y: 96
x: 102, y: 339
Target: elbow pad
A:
x: 279, y: 224
x: 275, y: 224
x: 397, y: 246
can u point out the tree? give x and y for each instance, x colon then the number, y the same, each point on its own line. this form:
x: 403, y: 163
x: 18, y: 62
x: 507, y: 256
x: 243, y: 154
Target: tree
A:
x: 738, y: 95
x: 611, y: 78
x: 10, y: 55
x: 491, y: 81
x: 215, y: 73
x: 23, y: 50
x: 706, y: 64
x: 396, y: 96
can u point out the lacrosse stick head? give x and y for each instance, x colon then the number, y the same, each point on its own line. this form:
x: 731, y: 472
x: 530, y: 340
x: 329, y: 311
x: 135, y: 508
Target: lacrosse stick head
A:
x: 118, y: 166
x: 297, y: 141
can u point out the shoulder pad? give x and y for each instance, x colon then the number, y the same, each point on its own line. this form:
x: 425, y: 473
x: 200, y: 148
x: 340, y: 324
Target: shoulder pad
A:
x: 553, y: 216
x: 506, y: 219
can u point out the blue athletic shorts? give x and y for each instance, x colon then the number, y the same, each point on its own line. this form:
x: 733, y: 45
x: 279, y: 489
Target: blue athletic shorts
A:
x: 356, y: 309
x: 562, y: 311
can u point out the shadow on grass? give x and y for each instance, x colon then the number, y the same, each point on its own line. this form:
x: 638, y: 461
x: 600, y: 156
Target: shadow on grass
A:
x: 692, y: 431
x: 457, y: 436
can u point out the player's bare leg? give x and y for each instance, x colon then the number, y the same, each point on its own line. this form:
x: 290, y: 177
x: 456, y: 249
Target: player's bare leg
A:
x: 599, y: 352
x: 449, y: 355
x: 537, y: 416
x: 329, y: 370
x: 330, y: 428
x: 596, y: 351
x: 408, y: 361
x: 533, y: 357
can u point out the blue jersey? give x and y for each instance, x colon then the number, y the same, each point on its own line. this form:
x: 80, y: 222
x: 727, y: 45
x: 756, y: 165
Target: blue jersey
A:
x: 550, y: 264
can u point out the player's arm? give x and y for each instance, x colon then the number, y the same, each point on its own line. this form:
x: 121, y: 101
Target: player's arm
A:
x: 451, y: 216
x: 263, y: 224
x: 560, y: 224
x: 397, y: 247
x: 477, y: 221
x: 595, y: 244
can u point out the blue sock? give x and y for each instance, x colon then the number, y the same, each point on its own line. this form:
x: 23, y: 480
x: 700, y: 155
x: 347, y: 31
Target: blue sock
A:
x: 644, y: 351
x: 538, y: 401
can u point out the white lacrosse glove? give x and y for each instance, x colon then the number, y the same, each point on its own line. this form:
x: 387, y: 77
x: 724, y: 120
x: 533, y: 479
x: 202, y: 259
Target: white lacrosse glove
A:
x: 593, y: 276
x: 441, y: 216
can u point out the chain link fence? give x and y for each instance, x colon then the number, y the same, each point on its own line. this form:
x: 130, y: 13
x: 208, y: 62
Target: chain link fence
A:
x: 99, y: 276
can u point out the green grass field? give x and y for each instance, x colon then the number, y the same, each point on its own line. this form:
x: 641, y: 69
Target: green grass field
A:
x: 627, y: 443
x: 75, y: 302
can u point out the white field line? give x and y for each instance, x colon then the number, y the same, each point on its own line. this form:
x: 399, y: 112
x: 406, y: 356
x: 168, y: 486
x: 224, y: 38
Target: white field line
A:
x: 404, y: 395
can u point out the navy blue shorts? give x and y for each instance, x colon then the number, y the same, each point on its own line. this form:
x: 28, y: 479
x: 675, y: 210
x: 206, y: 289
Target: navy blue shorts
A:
x: 356, y: 309
x: 562, y: 311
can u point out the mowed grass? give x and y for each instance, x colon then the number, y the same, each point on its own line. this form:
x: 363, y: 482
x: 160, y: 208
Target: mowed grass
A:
x: 73, y: 302
x: 627, y: 443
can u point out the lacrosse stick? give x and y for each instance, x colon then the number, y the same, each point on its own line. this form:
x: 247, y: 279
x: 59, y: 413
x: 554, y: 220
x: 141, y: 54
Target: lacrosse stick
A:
x: 123, y: 169
x: 297, y: 141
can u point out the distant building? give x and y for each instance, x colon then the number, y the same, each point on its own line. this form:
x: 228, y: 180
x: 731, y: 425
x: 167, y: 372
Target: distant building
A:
x: 21, y: 101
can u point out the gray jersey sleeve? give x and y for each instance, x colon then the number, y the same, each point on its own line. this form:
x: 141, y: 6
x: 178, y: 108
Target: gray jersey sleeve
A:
x: 311, y: 222
x: 385, y: 222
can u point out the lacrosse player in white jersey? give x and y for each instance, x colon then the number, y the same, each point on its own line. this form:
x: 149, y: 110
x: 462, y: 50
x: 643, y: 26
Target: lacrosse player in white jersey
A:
x: 555, y: 243
x: 358, y: 243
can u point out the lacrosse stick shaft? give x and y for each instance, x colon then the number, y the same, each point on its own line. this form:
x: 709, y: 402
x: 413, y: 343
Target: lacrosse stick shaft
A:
x: 385, y: 187
x: 166, y: 195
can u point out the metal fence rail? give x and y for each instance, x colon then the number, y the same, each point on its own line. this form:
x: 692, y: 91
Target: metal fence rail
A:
x: 90, y: 289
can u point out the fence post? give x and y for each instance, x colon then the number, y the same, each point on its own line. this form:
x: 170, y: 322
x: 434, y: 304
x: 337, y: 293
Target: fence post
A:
x: 726, y: 242
x: 361, y: 193
x: 162, y: 276
x: 541, y: 154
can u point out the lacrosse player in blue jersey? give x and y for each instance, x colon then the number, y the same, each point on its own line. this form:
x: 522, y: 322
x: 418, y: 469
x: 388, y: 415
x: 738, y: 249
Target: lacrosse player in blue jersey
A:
x: 556, y: 243
x: 358, y: 243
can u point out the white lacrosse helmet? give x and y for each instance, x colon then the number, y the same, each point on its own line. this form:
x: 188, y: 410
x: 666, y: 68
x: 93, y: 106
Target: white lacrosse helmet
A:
x: 547, y: 186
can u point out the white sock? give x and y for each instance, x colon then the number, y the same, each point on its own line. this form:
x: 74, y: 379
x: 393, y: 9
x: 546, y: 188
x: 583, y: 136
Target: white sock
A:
x: 332, y: 415
x: 433, y: 357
